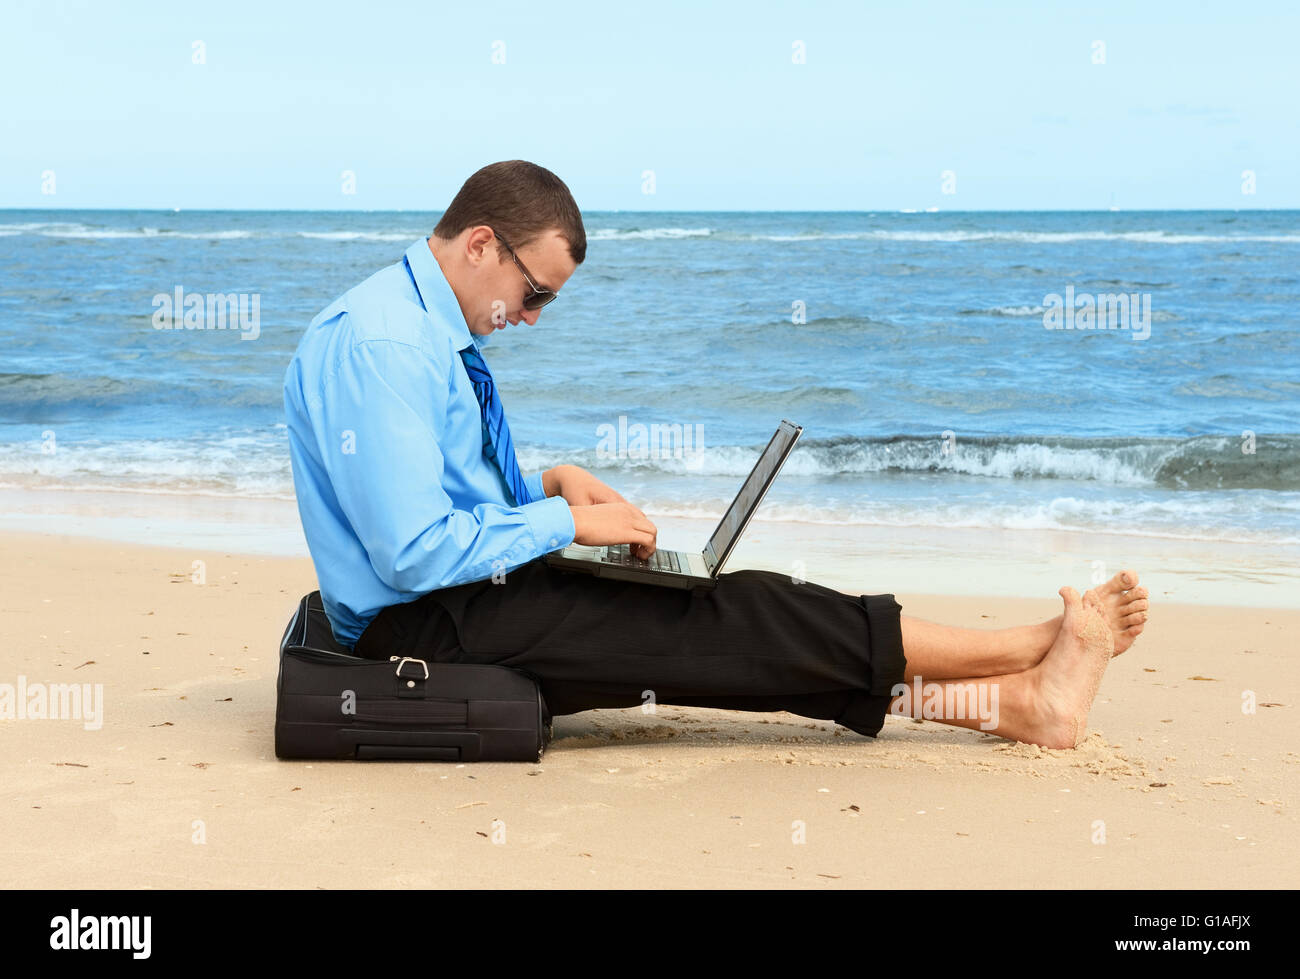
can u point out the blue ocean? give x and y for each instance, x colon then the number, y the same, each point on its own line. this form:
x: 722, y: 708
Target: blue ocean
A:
x: 926, y: 355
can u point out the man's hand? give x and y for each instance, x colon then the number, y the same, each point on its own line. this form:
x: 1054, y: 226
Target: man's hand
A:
x: 578, y: 487
x: 600, y: 514
x: 614, y: 523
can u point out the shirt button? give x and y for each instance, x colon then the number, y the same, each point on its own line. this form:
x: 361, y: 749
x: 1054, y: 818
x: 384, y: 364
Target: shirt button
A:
x: 553, y: 542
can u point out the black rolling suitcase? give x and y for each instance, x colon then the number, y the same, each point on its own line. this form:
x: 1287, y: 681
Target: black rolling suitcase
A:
x: 332, y: 704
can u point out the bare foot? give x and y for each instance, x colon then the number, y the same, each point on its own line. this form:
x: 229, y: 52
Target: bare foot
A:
x: 1063, y: 686
x: 1124, y: 606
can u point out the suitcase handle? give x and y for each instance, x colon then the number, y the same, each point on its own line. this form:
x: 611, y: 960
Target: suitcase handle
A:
x: 434, y: 745
x: 398, y: 752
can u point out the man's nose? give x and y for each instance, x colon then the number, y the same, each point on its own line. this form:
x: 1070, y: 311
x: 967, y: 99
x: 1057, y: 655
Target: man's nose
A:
x: 529, y: 316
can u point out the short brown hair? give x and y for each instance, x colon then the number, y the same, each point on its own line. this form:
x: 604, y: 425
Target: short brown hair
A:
x: 519, y: 200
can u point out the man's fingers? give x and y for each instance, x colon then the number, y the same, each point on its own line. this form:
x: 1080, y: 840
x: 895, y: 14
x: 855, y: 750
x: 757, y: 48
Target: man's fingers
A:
x: 649, y: 545
x: 644, y: 536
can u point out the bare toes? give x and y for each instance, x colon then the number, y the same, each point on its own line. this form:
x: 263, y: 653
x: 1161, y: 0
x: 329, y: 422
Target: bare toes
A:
x: 1141, y: 605
x: 1136, y: 619
x: 1120, y: 583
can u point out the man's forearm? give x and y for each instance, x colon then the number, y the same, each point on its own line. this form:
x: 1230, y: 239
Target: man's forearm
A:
x: 551, y: 480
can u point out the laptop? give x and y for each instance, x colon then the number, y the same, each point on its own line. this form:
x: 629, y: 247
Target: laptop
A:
x: 680, y: 569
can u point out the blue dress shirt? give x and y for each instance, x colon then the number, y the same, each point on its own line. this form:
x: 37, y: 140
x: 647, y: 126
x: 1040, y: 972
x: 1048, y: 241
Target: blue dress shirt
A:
x: 396, y: 496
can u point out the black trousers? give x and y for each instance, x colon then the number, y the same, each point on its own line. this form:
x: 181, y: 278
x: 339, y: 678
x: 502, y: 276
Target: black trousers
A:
x: 757, y: 642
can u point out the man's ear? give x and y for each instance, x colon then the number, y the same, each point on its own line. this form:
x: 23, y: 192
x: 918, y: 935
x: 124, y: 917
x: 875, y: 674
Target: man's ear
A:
x: 478, y: 248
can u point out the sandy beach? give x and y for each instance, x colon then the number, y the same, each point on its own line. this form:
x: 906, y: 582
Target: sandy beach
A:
x: 178, y: 785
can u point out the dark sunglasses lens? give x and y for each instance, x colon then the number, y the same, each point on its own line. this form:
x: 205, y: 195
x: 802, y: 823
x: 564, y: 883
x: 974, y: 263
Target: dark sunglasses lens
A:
x: 538, y: 299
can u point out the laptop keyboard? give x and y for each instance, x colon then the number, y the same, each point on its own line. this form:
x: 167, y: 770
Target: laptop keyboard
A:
x: 622, y: 555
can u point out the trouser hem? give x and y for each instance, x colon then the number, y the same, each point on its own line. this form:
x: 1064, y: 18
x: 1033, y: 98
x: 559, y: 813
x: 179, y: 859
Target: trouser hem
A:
x: 866, y: 711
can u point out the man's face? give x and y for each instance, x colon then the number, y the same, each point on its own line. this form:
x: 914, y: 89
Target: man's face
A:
x: 502, y: 288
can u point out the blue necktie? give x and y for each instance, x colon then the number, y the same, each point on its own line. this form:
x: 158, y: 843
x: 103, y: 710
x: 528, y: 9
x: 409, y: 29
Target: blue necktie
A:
x: 497, y: 445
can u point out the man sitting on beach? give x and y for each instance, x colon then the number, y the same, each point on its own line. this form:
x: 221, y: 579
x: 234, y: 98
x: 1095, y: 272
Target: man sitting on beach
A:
x: 428, y: 539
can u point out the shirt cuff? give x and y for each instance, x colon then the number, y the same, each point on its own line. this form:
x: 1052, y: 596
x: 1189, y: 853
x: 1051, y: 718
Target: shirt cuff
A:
x: 551, y: 522
x: 536, y: 491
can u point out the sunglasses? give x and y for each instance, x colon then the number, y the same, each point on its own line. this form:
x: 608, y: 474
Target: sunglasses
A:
x: 538, y: 297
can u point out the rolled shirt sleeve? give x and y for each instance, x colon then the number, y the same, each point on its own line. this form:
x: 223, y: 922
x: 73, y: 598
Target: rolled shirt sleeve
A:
x: 536, y: 491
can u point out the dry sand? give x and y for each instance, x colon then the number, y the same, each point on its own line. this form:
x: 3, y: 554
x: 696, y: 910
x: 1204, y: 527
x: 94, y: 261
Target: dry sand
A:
x: 1175, y: 785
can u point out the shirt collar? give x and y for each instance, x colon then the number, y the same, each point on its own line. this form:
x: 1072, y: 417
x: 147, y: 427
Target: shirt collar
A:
x: 436, y: 293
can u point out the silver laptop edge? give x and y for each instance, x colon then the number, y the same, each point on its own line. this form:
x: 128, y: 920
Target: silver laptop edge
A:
x: 712, y: 560
x: 704, y: 567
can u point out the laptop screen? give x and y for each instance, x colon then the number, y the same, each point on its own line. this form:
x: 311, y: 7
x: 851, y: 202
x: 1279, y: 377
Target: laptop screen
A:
x: 751, y: 493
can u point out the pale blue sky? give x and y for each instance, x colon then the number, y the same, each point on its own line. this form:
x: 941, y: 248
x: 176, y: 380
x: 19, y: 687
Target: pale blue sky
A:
x: 705, y: 94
